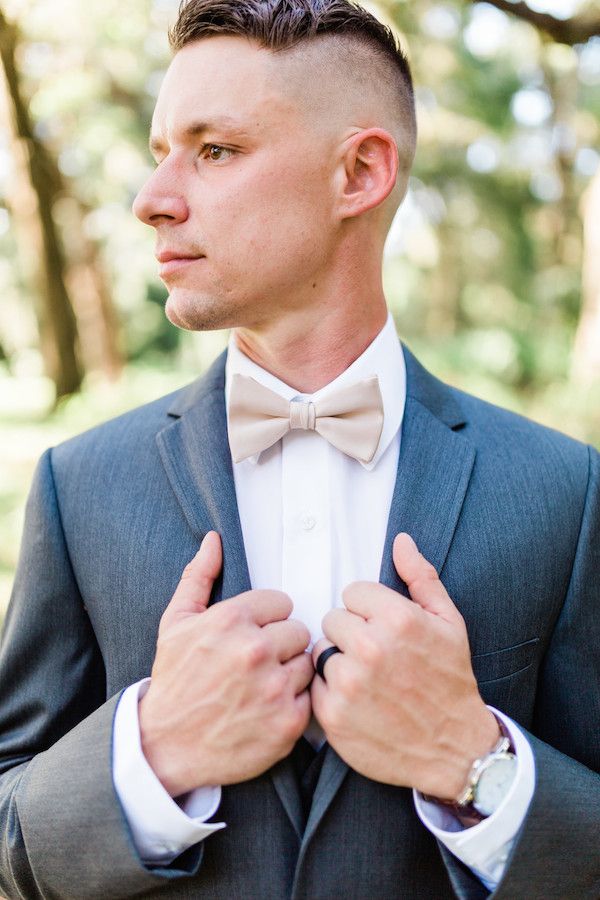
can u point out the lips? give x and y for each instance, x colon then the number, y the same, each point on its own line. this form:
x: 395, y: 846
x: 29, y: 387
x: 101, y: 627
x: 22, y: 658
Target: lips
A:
x: 166, y: 256
x: 172, y: 261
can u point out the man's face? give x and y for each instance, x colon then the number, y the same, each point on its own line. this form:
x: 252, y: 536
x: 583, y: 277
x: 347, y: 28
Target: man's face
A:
x: 242, y: 198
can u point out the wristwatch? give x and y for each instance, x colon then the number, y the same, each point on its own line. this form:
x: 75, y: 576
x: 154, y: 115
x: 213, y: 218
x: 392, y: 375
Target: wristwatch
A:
x: 489, y: 781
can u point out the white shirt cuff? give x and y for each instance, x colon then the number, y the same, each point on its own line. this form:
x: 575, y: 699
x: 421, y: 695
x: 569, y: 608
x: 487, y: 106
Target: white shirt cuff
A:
x: 485, y: 847
x: 161, y: 827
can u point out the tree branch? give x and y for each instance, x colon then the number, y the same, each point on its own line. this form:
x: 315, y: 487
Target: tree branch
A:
x: 576, y: 30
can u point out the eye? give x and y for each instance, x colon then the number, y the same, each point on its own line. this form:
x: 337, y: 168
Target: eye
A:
x: 215, y: 152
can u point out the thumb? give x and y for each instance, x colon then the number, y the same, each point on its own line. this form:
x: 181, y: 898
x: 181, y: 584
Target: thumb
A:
x: 422, y: 580
x: 193, y: 591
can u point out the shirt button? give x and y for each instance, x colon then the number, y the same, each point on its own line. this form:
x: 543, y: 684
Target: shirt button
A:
x: 308, y: 522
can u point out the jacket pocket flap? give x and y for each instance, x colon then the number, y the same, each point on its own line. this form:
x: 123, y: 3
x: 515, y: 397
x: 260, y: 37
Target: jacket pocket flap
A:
x: 507, y: 661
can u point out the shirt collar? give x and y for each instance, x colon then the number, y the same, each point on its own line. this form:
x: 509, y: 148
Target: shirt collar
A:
x: 383, y: 357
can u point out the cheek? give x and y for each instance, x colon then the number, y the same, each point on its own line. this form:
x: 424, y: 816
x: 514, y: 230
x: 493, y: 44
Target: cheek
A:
x: 294, y: 188
x: 270, y: 219
x: 287, y: 215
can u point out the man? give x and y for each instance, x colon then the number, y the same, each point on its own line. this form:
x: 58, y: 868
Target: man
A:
x: 328, y: 480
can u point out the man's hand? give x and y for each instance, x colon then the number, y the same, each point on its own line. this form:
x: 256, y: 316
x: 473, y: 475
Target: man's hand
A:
x: 228, y: 696
x: 401, y: 704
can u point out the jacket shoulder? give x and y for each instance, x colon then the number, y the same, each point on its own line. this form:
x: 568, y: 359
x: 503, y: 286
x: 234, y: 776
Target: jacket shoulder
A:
x: 492, y: 429
x: 514, y: 435
x: 131, y: 434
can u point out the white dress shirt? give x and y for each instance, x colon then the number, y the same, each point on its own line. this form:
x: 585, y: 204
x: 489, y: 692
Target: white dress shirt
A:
x: 303, y: 500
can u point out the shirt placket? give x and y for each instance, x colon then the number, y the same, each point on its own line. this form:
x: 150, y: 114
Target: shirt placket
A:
x: 306, y: 539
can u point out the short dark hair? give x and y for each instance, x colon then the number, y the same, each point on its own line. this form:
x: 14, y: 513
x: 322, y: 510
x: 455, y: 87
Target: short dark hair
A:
x: 283, y: 24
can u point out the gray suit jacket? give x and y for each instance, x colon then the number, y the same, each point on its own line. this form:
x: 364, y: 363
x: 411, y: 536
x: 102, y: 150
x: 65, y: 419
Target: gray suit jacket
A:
x: 507, y: 511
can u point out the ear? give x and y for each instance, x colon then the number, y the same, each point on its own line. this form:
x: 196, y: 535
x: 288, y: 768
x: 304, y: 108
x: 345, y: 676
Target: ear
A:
x: 370, y: 168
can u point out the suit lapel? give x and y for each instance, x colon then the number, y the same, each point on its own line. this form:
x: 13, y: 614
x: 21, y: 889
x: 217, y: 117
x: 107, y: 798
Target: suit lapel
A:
x: 434, y: 470
x: 195, y: 453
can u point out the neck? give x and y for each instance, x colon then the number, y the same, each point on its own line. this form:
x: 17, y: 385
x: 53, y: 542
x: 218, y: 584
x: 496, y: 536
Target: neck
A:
x: 308, y: 355
x: 312, y: 339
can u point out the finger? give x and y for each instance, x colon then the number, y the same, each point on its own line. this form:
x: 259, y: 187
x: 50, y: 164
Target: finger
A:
x: 319, y: 694
x: 369, y: 600
x: 264, y: 606
x: 302, y: 701
x: 331, y: 661
x: 318, y: 648
x: 300, y: 671
x: 289, y: 638
x: 422, y: 580
x: 193, y: 592
x: 342, y: 628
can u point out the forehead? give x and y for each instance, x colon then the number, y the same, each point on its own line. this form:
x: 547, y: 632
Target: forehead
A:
x: 226, y: 79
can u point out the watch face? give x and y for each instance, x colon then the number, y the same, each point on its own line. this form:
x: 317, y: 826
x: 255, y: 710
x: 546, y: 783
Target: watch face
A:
x: 494, y: 784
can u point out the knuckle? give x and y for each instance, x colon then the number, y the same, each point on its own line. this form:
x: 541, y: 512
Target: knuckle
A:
x: 303, y: 712
x: 428, y: 571
x: 305, y: 670
x: 349, y: 683
x: 255, y: 652
x: 283, y: 599
x: 354, y: 589
x: 302, y: 631
x: 169, y: 632
x: 369, y: 650
x: 292, y: 726
x: 230, y: 615
x: 347, y: 593
x: 308, y: 667
x: 187, y: 572
x: 403, y: 623
x: 275, y: 686
x: 334, y: 715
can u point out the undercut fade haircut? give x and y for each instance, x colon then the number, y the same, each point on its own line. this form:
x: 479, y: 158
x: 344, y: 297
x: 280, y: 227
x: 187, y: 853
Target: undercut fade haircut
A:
x: 280, y: 25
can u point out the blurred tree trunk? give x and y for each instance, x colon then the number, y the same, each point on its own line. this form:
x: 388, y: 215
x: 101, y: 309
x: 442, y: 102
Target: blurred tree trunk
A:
x: 586, y: 356
x: 97, y: 320
x: 33, y: 195
x: 567, y: 223
x: 585, y: 366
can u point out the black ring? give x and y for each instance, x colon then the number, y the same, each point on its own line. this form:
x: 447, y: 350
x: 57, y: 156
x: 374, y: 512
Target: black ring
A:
x: 322, y: 659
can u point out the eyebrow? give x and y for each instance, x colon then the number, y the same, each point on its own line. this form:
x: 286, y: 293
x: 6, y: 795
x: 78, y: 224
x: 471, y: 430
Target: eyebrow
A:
x: 224, y: 124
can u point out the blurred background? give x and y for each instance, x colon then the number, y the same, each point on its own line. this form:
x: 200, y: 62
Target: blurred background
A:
x: 492, y: 266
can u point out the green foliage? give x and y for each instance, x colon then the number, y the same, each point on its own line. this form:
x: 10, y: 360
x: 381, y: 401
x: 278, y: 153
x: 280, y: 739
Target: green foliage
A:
x: 492, y: 229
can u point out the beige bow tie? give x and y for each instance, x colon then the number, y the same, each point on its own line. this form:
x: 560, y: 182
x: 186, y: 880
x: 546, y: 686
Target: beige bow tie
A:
x: 351, y: 418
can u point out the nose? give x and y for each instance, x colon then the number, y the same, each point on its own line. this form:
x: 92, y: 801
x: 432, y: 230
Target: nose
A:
x: 158, y: 202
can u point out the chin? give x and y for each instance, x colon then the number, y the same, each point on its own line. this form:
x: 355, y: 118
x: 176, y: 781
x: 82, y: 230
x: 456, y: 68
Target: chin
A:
x: 172, y: 316
x: 194, y: 313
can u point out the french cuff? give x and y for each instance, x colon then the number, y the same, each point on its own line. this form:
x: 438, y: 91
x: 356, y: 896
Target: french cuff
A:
x: 485, y: 847
x: 161, y: 827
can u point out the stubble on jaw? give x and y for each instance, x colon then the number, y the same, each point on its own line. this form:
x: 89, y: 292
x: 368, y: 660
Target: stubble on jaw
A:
x: 198, y: 315
x: 199, y: 312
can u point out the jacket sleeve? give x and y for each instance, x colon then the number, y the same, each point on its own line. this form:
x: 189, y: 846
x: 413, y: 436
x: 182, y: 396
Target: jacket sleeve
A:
x: 557, y: 851
x: 62, y: 830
